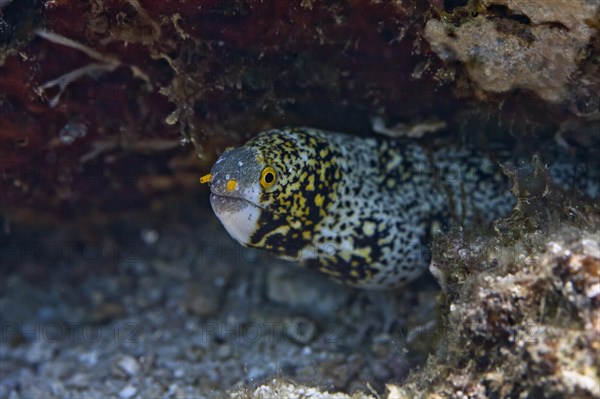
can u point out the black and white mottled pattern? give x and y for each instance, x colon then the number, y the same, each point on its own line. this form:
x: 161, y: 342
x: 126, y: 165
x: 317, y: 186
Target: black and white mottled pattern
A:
x: 360, y: 210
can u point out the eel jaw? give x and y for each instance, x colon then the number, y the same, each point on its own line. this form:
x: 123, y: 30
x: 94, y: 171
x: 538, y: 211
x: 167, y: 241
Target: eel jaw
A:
x: 240, y: 217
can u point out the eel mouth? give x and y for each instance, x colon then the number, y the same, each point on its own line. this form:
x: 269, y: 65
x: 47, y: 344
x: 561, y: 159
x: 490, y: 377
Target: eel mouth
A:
x: 239, y: 216
x: 230, y: 203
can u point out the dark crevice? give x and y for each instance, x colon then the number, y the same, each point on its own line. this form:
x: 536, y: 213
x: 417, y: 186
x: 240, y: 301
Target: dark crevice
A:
x: 450, y: 5
x: 555, y: 25
x: 502, y: 11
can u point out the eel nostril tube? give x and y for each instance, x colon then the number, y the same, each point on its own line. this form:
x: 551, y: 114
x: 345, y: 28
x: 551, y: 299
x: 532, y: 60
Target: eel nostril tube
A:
x: 206, y: 179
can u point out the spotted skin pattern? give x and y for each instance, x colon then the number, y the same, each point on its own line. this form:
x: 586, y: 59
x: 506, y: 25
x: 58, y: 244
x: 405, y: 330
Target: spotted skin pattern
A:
x: 360, y: 210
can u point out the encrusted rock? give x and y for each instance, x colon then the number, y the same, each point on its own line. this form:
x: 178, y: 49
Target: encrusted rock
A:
x: 522, y: 311
x: 519, y: 44
x: 277, y: 389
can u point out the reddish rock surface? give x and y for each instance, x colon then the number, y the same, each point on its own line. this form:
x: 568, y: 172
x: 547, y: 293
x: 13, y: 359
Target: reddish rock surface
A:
x: 217, y: 72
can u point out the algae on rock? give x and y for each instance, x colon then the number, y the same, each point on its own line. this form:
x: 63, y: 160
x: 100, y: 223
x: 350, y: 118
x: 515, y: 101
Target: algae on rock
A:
x: 522, y: 307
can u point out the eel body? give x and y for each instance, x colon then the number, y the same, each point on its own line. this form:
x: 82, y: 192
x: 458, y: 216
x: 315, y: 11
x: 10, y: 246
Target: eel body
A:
x: 360, y: 210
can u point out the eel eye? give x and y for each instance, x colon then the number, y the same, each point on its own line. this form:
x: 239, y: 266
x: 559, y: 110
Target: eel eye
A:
x: 268, y: 177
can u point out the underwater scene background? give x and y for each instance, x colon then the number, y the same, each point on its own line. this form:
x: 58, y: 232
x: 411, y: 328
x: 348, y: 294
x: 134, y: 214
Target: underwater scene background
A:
x: 117, y: 279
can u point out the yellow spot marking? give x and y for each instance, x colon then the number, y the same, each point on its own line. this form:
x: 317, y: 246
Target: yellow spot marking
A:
x: 293, y: 187
x: 368, y: 228
x: 364, y: 253
x: 330, y: 272
x: 231, y: 185
x: 393, y: 164
x: 306, y: 235
x: 281, y: 230
x: 390, y: 183
x: 345, y: 255
x: 319, y: 200
x: 206, y: 179
x: 296, y: 225
x: 386, y: 240
x: 299, y: 200
x: 311, y: 183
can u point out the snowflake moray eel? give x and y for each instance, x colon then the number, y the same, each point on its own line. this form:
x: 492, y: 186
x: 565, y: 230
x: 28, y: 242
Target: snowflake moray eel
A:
x: 360, y: 210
